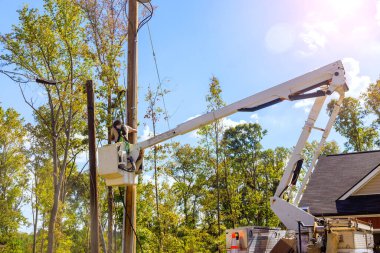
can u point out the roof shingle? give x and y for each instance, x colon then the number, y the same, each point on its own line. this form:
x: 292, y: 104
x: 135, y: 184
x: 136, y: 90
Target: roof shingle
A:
x: 333, y: 176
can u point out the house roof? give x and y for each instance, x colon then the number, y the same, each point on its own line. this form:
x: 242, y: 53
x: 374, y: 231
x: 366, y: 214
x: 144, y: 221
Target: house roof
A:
x: 333, y: 176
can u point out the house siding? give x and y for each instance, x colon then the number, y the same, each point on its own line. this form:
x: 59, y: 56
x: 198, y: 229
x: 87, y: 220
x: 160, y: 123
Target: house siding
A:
x: 372, y: 187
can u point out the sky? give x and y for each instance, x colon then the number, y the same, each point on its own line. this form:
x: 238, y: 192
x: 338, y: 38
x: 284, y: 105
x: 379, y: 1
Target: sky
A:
x: 249, y: 46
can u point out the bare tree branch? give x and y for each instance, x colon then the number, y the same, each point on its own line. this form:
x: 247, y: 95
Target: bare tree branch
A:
x: 31, y: 105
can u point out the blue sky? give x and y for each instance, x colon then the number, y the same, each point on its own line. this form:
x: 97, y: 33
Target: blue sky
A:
x: 250, y: 46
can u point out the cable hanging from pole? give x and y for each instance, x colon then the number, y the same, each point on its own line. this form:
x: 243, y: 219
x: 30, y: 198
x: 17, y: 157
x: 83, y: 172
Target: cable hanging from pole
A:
x: 145, y: 21
x: 130, y: 220
x: 147, y: 18
x: 159, y: 88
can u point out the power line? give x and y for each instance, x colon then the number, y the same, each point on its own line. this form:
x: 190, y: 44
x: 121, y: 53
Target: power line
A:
x: 147, y: 18
x: 130, y: 220
x: 159, y: 88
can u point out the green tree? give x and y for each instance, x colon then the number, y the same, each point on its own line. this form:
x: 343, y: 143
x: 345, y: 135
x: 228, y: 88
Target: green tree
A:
x: 212, y: 136
x: 254, y: 176
x: 372, y: 100
x: 13, y: 179
x: 329, y: 148
x: 244, y: 149
x: 186, y: 168
x: 350, y: 123
x: 52, y: 46
x: 39, y: 166
x: 270, y: 170
x: 154, y: 113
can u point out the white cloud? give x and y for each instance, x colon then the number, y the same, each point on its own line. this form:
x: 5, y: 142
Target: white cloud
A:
x: 227, y: 123
x: 313, y: 39
x: 147, y: 133
x: 314, y: 36
x: 280, y: 38
x: 254, y: 117
x: 339, y: 26
x: 305, y: 104
x: 357, y: 83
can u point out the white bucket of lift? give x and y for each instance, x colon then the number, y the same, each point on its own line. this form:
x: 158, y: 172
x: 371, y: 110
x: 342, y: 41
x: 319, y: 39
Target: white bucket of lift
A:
x: 110, y: 156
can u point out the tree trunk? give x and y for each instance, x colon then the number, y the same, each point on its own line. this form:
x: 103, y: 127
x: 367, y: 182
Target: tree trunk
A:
x: 58, y: 187
x: 194, y: 221
x: 229, y: 199
x: 53, y: 217
x: 110, y: 218
x: 115, y: 237
x: 101, y: 235
x: 217, y: 174
x: 35, y: 212
x: 157, y: 200
x: 156, y: 185
x: 54, y: 210
x: 35, y: 229
x: 185, y: 210
x: 42, y: 231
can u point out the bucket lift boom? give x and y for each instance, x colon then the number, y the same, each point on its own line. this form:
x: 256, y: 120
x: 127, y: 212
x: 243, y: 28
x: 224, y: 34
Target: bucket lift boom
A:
x: 329, y: 79
x: 316, y: 84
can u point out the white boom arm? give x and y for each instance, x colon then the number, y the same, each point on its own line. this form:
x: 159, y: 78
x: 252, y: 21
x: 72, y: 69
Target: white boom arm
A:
x: 294, y: 89
x: 319, y: 83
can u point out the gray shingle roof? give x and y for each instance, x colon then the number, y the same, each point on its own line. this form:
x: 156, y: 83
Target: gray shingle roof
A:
x: 333, y: 176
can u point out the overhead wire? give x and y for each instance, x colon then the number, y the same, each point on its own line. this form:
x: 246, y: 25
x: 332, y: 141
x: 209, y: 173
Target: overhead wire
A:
x: 145, y: 21
x: 130, y: 220
x: 159, y: 88
x: 148, y: 17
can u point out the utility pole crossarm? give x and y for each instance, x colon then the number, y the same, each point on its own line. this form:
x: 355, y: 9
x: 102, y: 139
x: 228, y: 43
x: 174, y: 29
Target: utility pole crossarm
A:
x: 294, y: 89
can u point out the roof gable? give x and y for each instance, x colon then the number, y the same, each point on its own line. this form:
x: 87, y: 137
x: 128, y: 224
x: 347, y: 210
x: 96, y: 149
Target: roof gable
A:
x: 371, y: 185
x: 333, y: 177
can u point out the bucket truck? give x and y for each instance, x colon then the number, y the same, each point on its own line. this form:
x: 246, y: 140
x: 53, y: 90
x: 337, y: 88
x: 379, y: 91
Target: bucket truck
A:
x: 317, y: 84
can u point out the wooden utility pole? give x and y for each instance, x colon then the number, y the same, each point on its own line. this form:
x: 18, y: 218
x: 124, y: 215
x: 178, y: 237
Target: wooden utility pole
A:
x: 94, y: 210
x: 129, y: 239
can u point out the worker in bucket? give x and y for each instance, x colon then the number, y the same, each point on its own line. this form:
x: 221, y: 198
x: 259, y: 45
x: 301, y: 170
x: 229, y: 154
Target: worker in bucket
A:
x: 119, y: 133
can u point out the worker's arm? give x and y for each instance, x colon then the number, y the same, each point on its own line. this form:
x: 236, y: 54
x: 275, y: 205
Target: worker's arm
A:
x: 131, y: 129
x: 113, y: 134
